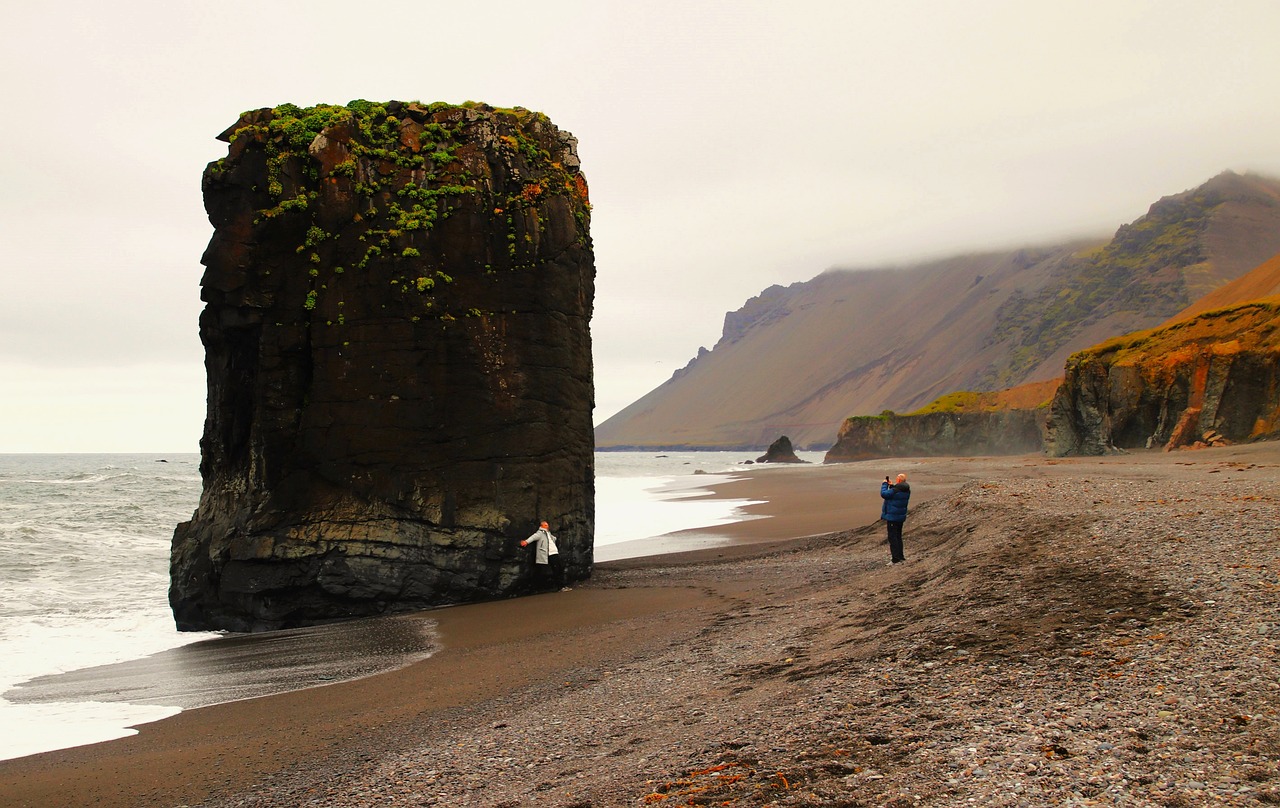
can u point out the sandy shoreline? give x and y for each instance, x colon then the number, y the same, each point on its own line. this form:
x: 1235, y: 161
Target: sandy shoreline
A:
x: 553, y: 682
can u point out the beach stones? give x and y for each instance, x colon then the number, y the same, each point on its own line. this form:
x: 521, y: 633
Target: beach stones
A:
x: 398, y: 353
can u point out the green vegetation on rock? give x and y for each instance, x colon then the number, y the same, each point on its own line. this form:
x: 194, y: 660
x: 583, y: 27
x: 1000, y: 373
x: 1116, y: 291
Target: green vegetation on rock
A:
x: 1030, y: 396
x: 1140, y: 269
x: 398, y: 170
x: 1248, y: 326
x: 959, y: 401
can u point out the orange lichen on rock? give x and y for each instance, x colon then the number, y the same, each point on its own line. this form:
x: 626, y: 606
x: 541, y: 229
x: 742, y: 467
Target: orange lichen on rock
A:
x: 1206, y: 381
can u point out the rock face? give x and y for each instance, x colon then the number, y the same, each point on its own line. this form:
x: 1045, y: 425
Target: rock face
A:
x: 939, y: 434
x: 1211, y: 379
x: 399, y: 364
x: 963, y: 423
x: 780, y: 451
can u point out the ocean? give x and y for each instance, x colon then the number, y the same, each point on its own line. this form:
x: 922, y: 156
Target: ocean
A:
x: 84, y: 561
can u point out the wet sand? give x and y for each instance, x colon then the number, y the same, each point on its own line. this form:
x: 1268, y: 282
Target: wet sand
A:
x: 483, y: 651
x: 488, y: 650
x: 245, y: 665
x: 513, y: 658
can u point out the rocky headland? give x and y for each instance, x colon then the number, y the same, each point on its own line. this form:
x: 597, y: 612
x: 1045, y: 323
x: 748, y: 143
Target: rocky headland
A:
x: 399, y: 363
x: 963, y: 424
x: 937, y: 434
x: 1214, y: 378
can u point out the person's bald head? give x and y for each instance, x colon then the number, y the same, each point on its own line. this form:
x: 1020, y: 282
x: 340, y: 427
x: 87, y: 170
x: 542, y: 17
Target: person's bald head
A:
x: 902, y: 478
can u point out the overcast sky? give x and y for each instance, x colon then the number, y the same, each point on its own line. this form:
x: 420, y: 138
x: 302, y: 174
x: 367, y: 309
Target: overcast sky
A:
x: 728, y: 146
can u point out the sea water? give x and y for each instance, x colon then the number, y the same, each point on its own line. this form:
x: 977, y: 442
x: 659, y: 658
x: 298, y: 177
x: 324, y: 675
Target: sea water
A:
x: 84, y: 565
x: 84, y: 570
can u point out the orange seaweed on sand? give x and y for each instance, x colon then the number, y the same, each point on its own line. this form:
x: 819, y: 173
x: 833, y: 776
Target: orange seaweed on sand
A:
x: 697, y: 782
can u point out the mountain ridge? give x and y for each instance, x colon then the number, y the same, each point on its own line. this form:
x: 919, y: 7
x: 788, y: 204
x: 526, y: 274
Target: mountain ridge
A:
x: 799, y: 359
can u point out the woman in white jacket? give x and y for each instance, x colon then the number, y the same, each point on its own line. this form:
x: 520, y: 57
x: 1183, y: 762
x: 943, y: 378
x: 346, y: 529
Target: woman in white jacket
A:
x: 547, y: 557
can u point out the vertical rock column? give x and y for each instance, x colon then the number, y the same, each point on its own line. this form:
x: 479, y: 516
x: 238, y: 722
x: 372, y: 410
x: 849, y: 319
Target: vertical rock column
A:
x: 398, y: 352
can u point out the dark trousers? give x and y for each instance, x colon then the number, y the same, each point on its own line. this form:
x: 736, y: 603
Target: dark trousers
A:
x: 895, y: 541
x: 551, y: 574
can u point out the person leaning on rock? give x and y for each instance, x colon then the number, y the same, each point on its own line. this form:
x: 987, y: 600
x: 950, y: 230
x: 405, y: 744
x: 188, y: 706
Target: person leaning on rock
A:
x: 546, y: 559
x: 894, y: 513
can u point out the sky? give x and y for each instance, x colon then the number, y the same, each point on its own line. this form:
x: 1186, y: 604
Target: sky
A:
x: 729, y: 146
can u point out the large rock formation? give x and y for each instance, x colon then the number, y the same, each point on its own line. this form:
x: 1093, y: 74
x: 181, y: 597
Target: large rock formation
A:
x: 938, y: 434
x: 961, y: 424
x: 399, y: 364
x: 780, y: 451
x: 1217, y: 374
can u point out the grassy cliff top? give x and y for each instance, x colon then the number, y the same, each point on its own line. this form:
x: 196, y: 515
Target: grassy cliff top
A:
x: 376, y: 120
x: 366, y: 187
x: 1023, y: 397
x: 1248, y: 326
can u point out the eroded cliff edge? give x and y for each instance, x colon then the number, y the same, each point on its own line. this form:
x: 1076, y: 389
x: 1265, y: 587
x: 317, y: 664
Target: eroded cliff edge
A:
x: 1218, y: 373
x: 960, y: 424
x: 398, y: 354
x: 938, y: 434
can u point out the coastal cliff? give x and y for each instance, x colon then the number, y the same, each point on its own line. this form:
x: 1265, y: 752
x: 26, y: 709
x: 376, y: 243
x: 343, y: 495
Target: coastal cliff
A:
x: 1216, y: 375
x: 962, y: 424
x: 938, y: 434
x: 398, y: 354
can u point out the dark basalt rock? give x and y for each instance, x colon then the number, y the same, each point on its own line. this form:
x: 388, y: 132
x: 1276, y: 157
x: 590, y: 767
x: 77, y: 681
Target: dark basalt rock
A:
x: 1214, y: 379
x: 939, y: 434
x: 780, y: 451
x: 398, y: 354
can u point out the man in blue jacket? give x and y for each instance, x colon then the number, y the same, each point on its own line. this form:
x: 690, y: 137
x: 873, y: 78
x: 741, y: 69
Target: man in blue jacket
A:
x: 894, y: 513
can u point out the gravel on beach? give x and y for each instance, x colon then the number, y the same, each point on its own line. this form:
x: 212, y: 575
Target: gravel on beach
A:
x: 1076, y: 632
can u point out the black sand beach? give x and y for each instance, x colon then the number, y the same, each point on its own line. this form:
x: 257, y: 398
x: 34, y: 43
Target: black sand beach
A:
x: 1099, y: 630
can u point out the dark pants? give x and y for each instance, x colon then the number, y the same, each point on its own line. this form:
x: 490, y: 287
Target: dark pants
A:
x: 551, y: 574
x: 895, y: 541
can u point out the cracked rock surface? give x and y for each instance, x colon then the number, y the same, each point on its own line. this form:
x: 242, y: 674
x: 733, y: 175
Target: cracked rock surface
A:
x: 398, y: 354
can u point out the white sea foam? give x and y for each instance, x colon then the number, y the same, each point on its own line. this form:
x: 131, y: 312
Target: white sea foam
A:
x: 634, y: 508
x: 60, y: 725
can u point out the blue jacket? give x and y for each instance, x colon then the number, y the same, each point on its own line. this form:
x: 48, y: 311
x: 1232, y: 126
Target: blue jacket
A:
x: 895, y: 501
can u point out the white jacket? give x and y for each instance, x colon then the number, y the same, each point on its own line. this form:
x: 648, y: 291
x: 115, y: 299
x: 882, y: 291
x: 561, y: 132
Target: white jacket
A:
x: 546, y: 544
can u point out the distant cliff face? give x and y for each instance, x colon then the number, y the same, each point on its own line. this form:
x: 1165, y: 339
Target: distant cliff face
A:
x: 399, y: 365
x: 939, y: 434
x: 798, y: 360
x: 1216, y: 373
x: 963, y: 423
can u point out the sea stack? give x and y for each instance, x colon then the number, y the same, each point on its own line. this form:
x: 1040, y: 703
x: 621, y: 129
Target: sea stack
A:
x: 397, y: 344
x: 780, y: 451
